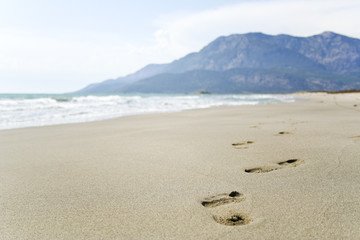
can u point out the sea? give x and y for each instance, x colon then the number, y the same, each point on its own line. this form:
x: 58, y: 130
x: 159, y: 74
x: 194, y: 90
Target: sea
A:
x: 29, y: 110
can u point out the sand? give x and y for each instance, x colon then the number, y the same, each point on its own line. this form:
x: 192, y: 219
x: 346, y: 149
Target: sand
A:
x: 274, y: 171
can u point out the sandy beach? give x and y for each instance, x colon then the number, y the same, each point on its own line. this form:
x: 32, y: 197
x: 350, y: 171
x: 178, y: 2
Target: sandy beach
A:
x: 272, y: 171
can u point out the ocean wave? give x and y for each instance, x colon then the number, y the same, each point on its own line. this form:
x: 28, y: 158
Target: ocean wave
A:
x: 22, y: 111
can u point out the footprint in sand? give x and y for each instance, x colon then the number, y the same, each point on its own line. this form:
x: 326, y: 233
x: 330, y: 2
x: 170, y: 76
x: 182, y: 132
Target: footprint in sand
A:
x: 225, y: 199
x: 284, y: 133
x: 232, y: 219
x: 280, y: 165
x: 242, y: 145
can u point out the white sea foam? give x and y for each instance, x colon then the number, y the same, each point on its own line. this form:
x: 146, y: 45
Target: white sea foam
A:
x: 18, y: 111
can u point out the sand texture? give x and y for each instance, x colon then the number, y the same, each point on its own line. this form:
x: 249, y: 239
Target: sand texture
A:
x: 276, y: 171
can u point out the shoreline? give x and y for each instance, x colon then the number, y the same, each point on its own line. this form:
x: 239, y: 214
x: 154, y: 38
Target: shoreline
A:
x: 48, y: 111
x: 267, y: 171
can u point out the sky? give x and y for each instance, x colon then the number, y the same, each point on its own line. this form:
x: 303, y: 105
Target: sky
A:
x: 58, y: 46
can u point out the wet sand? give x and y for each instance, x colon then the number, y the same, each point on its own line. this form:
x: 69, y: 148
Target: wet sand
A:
x: 274, y: 171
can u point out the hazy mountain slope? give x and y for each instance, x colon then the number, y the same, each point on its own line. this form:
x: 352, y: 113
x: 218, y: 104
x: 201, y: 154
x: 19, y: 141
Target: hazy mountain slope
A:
x: 243, y: 80
x: 113, y: 85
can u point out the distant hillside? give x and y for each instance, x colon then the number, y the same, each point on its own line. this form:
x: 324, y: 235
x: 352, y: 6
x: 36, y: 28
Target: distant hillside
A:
x: 251, y: 63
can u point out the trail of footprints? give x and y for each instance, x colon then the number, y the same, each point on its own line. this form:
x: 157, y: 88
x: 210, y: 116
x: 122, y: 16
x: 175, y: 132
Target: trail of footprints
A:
x: 235, y: 197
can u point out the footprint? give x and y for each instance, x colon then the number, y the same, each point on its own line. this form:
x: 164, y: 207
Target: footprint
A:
x: 229, y: 219
x: 232, y: 219
x: 223, y: 199
x: 242, y: 145
x: 260, y: 170
x: 290, y: 163
x: 284, y: 133
x: 282, y: 164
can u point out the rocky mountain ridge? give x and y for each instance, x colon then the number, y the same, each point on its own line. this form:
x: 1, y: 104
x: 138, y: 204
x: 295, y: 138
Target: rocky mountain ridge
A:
x: 251, y: 63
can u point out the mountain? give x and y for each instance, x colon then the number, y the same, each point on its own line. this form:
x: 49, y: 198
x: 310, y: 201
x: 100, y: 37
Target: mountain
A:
x: 251, y: 63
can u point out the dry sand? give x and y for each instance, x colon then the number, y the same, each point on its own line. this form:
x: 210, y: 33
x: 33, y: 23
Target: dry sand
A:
x: 279, y: 171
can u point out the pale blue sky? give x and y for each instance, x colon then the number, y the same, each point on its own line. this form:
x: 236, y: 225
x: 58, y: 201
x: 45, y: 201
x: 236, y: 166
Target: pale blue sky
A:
x: 62, y: 45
